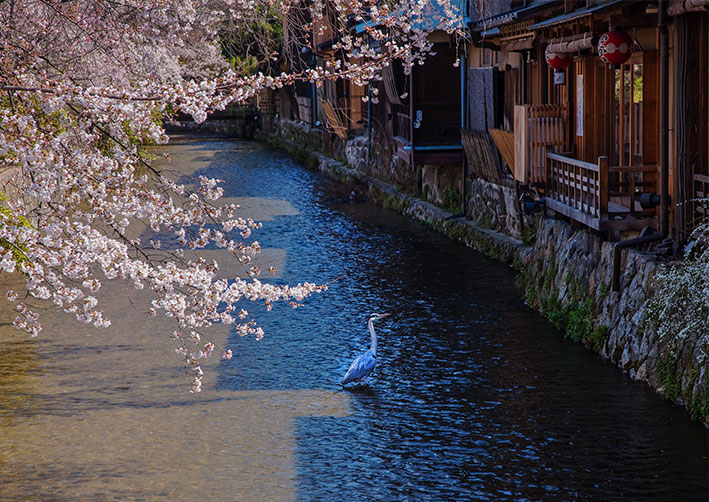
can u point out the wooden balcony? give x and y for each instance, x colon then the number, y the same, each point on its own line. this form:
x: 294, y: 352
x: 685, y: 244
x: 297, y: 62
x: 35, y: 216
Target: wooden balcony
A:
x: 601, y: 197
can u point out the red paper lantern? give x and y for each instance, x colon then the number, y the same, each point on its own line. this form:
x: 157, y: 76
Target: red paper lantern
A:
x: 558, y: 61
x: 615, y: 47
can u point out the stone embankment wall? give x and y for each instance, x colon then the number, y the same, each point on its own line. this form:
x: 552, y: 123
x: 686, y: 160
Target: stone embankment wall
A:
x: 499, y: 207
x: 566, y: 274
x: 442, y: 186
x: 568, y: 277
x: 238, y: 120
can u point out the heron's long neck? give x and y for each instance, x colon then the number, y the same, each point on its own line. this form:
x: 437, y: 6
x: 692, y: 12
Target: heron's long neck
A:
x: 370, y: 325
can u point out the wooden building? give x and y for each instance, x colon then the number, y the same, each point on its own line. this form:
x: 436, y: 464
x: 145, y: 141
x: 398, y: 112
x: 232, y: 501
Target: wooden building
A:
x: 599, y: 106
x: 429, y: 119
x: 338, y: 104
x: 593, y: 137
x: 414, y: 117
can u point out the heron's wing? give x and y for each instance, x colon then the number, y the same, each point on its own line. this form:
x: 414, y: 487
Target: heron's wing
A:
x: 361, y: 367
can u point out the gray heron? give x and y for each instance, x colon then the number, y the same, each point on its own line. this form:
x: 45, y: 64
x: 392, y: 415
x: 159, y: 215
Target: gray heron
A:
x: 363, y: 365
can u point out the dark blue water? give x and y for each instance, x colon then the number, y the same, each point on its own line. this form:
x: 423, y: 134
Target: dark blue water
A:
x: 475, y: 396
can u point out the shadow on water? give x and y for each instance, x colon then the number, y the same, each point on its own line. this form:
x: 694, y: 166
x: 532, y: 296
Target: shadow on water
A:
x: 362, y: 391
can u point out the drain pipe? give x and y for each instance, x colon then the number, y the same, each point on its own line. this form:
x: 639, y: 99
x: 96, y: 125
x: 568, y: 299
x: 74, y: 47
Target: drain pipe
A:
x: 664, y: 118
x: 463, y: 123
x: 618, y: 250
x: 369, y: 118
x: 369, y: 126
x: 664, y: 163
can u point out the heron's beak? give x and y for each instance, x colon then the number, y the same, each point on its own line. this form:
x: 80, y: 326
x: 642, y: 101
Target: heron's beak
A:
x: 384, y: 315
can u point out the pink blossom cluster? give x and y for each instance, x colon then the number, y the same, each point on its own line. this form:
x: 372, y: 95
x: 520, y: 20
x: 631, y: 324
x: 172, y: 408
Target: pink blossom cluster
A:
x: 83, y: 87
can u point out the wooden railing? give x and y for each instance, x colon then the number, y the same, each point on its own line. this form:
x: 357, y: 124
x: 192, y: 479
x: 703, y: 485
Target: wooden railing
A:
x: 625, y: 184
x: 600, y: 197
x: 577, y: 189
x: 536, y: 128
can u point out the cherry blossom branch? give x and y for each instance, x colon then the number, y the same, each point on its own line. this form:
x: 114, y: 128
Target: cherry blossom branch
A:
x: 86, y: 83
x: 55, y: 91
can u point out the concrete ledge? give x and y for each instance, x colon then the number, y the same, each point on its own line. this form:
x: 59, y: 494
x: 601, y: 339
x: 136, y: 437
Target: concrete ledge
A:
x: 489, y: 242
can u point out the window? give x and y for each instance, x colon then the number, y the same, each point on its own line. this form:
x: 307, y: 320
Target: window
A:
x: 627, y: 125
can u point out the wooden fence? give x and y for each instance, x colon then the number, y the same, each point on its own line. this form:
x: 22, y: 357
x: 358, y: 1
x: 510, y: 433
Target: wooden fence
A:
x: 700, y: 200
x: 536, y: 127
x: 625, y: 185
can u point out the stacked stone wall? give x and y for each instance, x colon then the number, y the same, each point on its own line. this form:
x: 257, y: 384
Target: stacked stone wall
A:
x: 568, y: 277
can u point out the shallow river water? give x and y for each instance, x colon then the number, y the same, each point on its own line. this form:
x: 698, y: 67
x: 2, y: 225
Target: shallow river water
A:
x: 475, y: 396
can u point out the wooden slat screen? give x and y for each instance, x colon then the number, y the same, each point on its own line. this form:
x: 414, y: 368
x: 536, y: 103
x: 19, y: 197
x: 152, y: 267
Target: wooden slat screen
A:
x: 505, y: 142
x: 546, y: 126
x: 480, y: 155
x: 334, y: 123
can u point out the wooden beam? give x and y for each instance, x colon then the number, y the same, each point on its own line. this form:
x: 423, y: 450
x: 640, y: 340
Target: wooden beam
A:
x: 520, y: 128
x: 630, y: 224
x: 586, y: 219
x: 433, y: 157
x: 603, y: 184
x: 636, y: 21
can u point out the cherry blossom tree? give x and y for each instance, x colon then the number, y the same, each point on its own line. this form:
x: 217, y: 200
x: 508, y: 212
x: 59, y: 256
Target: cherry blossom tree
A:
x: 84, y: 86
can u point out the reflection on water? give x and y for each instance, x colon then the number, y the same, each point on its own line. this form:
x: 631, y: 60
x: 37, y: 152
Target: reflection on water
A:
x: 475, y: 396
x: 18, y: 382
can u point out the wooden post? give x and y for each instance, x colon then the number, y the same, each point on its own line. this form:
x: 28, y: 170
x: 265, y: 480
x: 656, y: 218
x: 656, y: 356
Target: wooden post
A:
x: 603, y: 187
x: 521, y: 143
x: 548, y: 181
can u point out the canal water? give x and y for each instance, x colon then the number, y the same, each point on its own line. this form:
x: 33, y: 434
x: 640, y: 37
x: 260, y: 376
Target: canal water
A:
x: 475, y: 396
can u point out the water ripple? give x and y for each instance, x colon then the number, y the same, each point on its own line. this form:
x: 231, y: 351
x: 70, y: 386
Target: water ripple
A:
x: 475, y: 397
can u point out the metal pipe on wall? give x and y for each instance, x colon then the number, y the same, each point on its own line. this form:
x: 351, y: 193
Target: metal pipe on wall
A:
x: 463, y: 121
x: 369, y: 119
x: 664, y: 118
x: 618, y: 250
x: 369, y: 125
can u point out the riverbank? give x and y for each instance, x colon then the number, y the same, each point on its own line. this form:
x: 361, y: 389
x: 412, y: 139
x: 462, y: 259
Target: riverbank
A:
x: 566, y: 273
